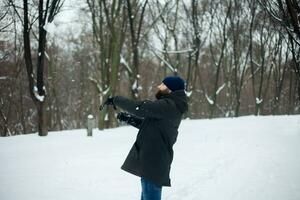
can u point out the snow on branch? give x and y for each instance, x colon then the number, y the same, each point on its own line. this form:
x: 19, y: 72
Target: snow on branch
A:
x: 220, y: 89
x: 96, y: 84
x: 209, y: 100
x: 152, y: 49
x: 258, y: 101
x: 189, y: 93
x: 134, y: 85
x: 106, y: 90
x: 47, y: 56
x: 40, y: 98
x: 256, y: 63
x: 123, y: 61
x: 164, y: 61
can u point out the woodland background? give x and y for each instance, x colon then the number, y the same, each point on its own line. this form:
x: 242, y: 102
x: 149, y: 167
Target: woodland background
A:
x: 237, y: 57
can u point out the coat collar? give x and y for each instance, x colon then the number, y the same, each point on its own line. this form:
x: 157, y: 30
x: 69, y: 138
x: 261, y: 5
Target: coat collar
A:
x: 180, y: 99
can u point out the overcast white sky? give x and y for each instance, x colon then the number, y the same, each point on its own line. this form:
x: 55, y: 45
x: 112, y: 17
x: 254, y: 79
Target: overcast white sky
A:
x: 68, y: 18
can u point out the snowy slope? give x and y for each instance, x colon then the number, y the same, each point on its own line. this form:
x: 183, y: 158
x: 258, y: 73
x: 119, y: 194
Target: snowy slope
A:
x: 244, y: 158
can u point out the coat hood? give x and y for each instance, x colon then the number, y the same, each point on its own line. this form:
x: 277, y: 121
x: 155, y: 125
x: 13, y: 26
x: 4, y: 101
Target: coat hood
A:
x: 180, y: 99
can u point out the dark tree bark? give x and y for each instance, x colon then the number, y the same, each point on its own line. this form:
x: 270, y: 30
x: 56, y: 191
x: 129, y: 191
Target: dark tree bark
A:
x: 286, y: 13
x: 135, y: 25
x: 46, y: 14
x: 109, y: 27
x: 218, y: 64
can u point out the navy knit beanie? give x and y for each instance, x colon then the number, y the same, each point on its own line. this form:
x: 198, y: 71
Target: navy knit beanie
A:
x: 174, y: 83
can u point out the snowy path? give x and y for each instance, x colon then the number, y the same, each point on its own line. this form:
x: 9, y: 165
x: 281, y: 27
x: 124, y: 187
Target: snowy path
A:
x: 223, y: 159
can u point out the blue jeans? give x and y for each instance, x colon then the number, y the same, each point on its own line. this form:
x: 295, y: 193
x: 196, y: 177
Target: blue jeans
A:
x: 150, y: 191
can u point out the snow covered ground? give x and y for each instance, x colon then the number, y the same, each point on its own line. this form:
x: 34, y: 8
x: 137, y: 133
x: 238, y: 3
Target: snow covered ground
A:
x: 243, y: 158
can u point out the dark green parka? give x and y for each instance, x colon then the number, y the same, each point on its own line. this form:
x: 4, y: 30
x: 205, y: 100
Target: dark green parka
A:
x: 152, y: 153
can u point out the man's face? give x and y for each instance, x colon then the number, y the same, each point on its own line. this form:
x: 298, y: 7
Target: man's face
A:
x: 162, y: 89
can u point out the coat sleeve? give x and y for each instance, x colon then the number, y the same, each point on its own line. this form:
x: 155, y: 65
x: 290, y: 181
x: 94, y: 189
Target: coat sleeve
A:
x: 159, y: 109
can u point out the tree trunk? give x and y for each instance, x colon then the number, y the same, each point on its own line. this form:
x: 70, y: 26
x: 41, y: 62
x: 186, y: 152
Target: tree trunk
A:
x: 42, y: 130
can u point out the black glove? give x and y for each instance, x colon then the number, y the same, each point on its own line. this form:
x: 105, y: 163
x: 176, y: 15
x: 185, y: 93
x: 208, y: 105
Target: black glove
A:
x: 130, y: 119
x: 109, y: 101
x: 123, y: 117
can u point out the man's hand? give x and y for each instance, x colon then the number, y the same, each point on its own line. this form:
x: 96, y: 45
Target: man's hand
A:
x: 130, y: 119
x: 109, y: 101
x: 123, y: 117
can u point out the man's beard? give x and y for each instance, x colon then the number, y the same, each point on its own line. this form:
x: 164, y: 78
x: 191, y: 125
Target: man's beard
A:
x: 161, y: 93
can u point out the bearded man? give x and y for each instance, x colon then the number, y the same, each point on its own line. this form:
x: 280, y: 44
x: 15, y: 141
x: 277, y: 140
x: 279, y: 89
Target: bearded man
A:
x: 151, y: 155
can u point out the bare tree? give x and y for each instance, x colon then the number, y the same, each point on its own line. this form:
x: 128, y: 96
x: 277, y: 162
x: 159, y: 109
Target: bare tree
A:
x: 279, y: 72
x: 217, y: 61
x: 165, y: 31
x: 4, y: 119
x: 5, y: 18
x: 240, y: 51
x: 286, y: 13
x: 238, y: 57
x: 109, y: 21
x: 5, y: 26
x: 198, y: 19
x: 46, y: 13
x: 135, y: 24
